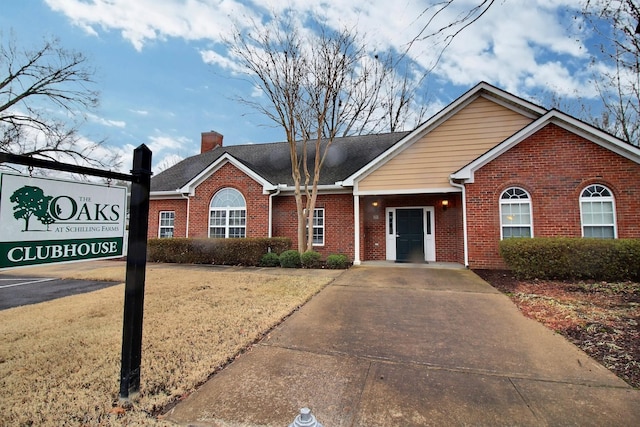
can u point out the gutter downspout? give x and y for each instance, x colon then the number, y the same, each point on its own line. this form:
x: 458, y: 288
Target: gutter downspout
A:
x: 464, y: 220
x: 271, y: 196
x: 186, y: 196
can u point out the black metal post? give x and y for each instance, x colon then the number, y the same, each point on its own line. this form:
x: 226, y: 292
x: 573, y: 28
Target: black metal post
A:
x: 135, y: 277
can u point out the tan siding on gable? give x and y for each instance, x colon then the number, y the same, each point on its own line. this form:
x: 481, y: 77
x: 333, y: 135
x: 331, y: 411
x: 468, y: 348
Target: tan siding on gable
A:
x: 465, y: 136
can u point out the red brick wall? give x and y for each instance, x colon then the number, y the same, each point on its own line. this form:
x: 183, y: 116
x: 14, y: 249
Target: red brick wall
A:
x: 228, y: 176
x: 180, y: 221
x: 338, y: 215
x: 554, y: 166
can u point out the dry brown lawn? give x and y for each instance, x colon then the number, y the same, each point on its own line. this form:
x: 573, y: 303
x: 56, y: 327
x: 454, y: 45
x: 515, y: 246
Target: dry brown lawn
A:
x: 60, y: 360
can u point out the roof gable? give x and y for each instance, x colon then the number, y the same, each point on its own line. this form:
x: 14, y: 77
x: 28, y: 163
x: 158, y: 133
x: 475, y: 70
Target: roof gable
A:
x: 562, y: 120
x: 189, y: 187
x: 478, y: 120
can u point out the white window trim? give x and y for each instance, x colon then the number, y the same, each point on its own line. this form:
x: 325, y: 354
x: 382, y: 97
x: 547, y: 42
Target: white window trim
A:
x: 599, y: 199
x: 515, y: 201
x: 324, y: 221
x: 227, y: 210
x: 160, y: 226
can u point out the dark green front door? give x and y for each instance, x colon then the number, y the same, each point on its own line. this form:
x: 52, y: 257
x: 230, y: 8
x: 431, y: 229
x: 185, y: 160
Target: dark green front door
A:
x: 409, y: 235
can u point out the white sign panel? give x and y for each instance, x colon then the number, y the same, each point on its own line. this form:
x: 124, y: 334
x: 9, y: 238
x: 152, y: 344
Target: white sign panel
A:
x: 46, y: 220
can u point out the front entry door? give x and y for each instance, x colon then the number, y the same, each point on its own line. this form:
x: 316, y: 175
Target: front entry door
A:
x: 410, y: 235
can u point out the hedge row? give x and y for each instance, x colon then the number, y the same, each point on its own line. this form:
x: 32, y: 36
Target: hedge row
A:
x: 247, y: 251
x: 310, y: 259
x: 573, y: 258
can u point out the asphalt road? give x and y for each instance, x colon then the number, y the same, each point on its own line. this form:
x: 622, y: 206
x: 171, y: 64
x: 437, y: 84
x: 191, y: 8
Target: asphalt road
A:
x: 19, y: 290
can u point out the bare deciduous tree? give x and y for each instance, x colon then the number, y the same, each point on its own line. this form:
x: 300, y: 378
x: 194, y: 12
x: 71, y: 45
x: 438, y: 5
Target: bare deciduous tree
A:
x: 617, y: 68
x: 319, y: 85
x: 44, y: 94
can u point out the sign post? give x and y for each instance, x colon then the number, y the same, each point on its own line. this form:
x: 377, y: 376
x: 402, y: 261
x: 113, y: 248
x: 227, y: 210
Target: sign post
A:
x: 136, y: 265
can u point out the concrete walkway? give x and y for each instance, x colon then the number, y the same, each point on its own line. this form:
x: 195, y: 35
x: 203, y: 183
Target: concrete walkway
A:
x: 412, y: 347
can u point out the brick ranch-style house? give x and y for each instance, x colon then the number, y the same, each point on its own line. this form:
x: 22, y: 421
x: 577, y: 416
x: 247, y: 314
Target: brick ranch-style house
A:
x: 489, y: 166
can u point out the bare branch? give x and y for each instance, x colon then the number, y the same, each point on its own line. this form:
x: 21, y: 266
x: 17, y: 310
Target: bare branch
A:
x: 44, y: 94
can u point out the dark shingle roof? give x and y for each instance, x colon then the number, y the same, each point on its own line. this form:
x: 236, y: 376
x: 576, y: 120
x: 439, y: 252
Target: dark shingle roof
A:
x: 271, y: 161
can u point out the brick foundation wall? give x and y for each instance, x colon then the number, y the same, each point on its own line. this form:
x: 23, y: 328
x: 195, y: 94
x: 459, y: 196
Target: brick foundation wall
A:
x: 554, y: 166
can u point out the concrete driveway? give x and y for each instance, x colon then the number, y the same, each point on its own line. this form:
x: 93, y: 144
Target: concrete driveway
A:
x: 387, y: 346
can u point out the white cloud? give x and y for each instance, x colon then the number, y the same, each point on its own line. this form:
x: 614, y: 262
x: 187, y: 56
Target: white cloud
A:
x: 162, y: 143
x: 521, y: 49
x: 214, y: 58
x: 106, y: 122
x: 142, y: 21
x: 140, y: 112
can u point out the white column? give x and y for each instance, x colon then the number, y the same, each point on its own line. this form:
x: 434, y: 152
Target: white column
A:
x: 356, y: 231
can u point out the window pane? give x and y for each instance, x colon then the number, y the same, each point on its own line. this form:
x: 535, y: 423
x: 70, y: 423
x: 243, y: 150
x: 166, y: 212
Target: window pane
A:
x: 218, y: 218
x: 598, y: 216
x: 237, y: 217
x: 602, y: 232
x: 508, y: 232
x: 515, y: 213
x: 166, y: 224
x: 217, y: 232
x: 318, y: 236
x: 228, y: 198
x: 236, y: 232
x: 318, y: 227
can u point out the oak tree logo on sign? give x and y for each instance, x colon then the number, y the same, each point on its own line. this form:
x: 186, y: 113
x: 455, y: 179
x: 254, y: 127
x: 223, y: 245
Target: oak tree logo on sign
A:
x: 32, y: 202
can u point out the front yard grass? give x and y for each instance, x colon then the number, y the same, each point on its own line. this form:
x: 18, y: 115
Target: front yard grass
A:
x: 60, y: 360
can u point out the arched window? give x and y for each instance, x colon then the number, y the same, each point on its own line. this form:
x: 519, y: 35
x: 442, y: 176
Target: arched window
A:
x: 227, y: 214
x: 515, y: 213
x: 597, y: 212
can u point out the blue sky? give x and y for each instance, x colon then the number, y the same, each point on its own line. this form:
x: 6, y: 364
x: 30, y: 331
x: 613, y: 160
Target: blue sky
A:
x: 161, y: 85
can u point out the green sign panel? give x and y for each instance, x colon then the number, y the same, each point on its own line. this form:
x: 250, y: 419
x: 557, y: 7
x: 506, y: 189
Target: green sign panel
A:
x: 49, y: 220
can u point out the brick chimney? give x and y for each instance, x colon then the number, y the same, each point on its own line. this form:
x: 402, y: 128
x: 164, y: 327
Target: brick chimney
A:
x: 210, y: 140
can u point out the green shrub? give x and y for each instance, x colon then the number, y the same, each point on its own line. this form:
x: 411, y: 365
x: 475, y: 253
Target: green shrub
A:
x: 337, y: 261
x: 270, y: 259
x: 290, y: 259
x: 310, y: 259
x: 248, y: 251
x: 573, y: 258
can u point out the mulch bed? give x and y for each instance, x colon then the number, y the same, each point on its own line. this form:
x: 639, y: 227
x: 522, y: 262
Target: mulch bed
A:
x: 601, y: 318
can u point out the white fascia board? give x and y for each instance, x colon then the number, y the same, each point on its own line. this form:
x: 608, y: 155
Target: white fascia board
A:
x: 190, y: 187
x: 163, y: 195
x: 322, y: 189
x: 407, y: 191
x: 521, y: 106
x: 483, y: 89
x: 562, y: 120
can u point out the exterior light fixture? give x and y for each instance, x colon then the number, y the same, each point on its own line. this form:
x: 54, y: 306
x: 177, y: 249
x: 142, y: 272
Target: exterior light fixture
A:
x: 445, y: 204
x: 374, y: 204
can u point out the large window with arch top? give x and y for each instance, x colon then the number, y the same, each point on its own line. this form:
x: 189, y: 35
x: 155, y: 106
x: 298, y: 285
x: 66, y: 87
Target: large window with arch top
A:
x: 597, y: 212
x: 228, y: 214
x: 515, y: 213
